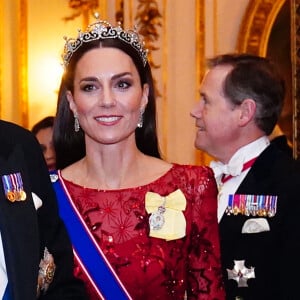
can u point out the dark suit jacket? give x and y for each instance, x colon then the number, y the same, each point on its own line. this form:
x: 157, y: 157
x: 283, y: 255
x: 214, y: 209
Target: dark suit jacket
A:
x: 26, y: 232
x: 274, y: 254
x: 282, y: 143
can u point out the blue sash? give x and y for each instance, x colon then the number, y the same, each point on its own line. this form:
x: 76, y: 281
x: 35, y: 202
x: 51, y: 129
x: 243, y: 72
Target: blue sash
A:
x: 88, y: 253
x: 6, y: 295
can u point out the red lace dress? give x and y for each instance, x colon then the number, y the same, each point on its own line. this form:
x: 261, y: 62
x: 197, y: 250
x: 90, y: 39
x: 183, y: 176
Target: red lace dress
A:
x: 153, y: 268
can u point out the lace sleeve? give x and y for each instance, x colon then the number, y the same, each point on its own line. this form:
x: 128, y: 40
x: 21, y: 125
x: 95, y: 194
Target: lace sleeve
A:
x: 205, y: 275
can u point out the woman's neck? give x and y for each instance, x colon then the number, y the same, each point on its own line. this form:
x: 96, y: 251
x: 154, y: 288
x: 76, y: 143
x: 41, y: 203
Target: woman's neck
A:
x: 112, y: 168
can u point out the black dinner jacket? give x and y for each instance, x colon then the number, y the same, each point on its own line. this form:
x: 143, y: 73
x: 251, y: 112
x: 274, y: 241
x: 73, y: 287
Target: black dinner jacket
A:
x: 274, y: 254
x: 26, y: 231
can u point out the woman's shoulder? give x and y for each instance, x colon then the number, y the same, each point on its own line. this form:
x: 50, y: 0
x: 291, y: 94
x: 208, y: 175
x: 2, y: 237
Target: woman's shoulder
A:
x: 193, y: 169
x: 164, y: 168
x: 193, y: 180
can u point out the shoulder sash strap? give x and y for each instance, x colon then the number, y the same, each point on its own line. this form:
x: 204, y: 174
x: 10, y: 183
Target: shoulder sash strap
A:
x: 88, y: 253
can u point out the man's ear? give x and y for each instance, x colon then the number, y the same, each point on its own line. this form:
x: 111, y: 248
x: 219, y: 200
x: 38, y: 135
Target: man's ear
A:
x: 247, y: 111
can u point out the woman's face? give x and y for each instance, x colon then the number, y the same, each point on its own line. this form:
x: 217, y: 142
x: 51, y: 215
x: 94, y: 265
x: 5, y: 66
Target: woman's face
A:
x: 108, y: 97
x: 44, y: 136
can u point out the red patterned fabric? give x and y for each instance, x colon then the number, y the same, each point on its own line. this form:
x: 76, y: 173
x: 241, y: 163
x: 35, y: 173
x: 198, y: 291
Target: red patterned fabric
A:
x: 153, y: 268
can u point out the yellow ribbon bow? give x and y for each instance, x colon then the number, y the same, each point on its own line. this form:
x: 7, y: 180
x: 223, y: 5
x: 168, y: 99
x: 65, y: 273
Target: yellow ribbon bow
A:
x: 174, y: 225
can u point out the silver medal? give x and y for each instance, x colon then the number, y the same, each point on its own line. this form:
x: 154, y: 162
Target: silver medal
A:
x: 157, y: 219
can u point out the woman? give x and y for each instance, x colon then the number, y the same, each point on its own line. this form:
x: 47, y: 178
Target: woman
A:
x: 152, y: 224
x: 43, y: 130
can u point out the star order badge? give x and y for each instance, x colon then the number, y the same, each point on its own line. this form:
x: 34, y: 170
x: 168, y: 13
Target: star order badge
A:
x: 240, y: 273
x: 46, y: 272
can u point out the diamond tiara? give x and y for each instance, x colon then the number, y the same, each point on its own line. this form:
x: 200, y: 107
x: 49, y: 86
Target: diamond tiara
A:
x: 104, y: 30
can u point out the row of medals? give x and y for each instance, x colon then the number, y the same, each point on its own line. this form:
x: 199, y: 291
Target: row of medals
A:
x: 16, y: 195
x: 262, y: 206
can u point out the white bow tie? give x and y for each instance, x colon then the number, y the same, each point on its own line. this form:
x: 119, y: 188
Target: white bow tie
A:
x: 233, y: 169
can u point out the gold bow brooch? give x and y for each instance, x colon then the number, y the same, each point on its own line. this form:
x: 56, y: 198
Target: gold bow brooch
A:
x: 166, y: 220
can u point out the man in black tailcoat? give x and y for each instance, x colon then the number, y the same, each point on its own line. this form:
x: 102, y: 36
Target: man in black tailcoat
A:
x: 36, y: 258
x: 258, y: 202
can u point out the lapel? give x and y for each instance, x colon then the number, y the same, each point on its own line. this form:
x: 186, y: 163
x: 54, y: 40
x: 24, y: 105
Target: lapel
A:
x: 18, y: 225
x: 260, y: 174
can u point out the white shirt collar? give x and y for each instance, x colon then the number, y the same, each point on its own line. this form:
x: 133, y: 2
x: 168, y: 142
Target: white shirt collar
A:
x: 250, y: 151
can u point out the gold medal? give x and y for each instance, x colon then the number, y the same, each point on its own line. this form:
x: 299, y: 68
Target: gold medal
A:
x: 22, y: 195
x: 11, y: 196
x: 236, y: 210
x: 17, y: 195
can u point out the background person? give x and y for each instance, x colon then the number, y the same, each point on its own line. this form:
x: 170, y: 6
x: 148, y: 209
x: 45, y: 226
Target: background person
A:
x: 154, y: 222
x: 258, y: 207
x: 43, y: 130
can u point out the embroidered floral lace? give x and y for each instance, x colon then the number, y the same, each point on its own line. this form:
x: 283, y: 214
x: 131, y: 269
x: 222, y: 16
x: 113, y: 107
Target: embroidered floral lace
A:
x: 153, y: 268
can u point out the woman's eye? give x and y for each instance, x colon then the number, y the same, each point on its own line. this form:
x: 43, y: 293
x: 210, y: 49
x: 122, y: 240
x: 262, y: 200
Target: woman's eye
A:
x: 123, y: 85
x: 43, y: 147
x: 203, y: 99
x: 88, y: 87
